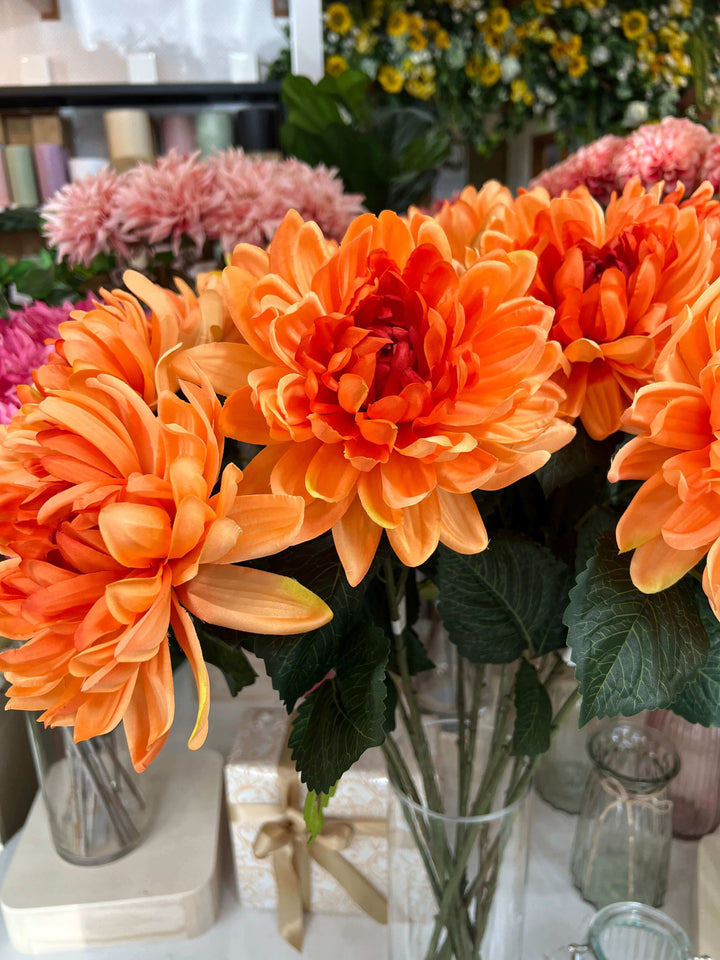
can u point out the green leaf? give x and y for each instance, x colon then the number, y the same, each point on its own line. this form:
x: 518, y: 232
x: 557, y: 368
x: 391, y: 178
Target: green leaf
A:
x: 312, y: 108
x: 632, y: 651
x: 504, y: 600
x: 35, y: 282
x: 4, y: 306
x: 599, y: 521
x: 297, y: 663
x: 337, y: 723
x: 533, y: 718
x: 313, y: 811
x: 417, y: 659
x: 699, y: 701
x: 221, y: 648
x: 577, y: 459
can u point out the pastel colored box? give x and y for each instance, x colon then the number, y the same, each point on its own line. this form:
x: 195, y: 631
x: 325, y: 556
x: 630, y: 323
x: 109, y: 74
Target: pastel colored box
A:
x: 254, y: 791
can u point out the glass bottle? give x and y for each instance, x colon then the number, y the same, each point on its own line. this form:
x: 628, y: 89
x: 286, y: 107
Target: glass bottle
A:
x: 622, y: 841
x: 695, y: 792
x: 97, y: 806
x: 563, y: 771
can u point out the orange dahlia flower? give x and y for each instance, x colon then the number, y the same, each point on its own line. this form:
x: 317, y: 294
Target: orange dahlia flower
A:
x: 707, y: 209
x: 144, y: 349
x: 674, y: 518
x: 135, y: 528
x: 389, y: 387
x: 616, y: 281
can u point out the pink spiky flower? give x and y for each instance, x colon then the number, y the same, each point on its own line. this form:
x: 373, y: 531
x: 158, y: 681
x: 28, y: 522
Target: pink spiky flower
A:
x: 711, y: 165
x: 163, y: 201
x: 672, y: 151
x: 25, y: 341
x: 592, y: 166
x: 80, y: 218
x: 251, y: 196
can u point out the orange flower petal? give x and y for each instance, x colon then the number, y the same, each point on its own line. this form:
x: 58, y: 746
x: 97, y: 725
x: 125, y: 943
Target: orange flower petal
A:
x: 417, y: 535
x: 356, y: 539
x: 643, y: 520
x: 267, y: 524
x: 656, y: 566
x: 461, y: 526
x: 136, y: 534
x: 252, y: 600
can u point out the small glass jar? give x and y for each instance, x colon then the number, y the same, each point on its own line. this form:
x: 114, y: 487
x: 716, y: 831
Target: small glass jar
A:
x: 633, y: 931
x: 695, y: 792
x: 622, y: 841
x: 563, y: 771
x: 97, y: 807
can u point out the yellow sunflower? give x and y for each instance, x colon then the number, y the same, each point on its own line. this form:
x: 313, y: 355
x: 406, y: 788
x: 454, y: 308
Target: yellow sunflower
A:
x: 634, y: 24
x: 338, y: 18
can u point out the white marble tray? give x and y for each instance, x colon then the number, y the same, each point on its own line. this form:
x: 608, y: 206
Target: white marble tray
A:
x: 167, y: 888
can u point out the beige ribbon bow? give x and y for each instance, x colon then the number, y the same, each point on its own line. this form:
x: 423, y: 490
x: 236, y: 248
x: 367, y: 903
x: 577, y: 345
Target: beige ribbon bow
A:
x: 285, y: 839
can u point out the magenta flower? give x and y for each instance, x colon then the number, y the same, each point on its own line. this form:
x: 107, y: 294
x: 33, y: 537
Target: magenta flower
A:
x: 80, y: 219
x: 26, y: 339
x: 672, y: 151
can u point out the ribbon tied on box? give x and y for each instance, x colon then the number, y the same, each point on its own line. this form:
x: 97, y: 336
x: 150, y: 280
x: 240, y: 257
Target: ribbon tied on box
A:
x: 284, y: 837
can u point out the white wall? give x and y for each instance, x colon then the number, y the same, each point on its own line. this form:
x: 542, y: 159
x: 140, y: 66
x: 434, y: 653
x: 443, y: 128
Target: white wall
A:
x: 191, y: 38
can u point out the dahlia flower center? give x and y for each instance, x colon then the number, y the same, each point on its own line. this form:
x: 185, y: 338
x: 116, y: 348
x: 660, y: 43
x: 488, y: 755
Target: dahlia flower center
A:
x: 380, y: 337
x: 599, y: 259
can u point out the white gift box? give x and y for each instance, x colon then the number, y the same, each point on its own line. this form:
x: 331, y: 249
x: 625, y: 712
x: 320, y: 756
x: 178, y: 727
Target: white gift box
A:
x: 254, y: 794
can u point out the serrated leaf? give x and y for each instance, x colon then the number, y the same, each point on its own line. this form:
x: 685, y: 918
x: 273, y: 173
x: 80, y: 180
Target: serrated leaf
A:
x: 337, y: 723
x: 417, y: 658
x: 533, y: 713
x: 699, y: 701
x: 600, y: 521
x: 632, y: 651
x: 221, y: 648
x: 509, y: 598
x: 297, y: 663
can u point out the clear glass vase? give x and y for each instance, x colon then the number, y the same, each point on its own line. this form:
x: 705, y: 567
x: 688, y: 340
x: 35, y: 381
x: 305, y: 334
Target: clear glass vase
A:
x: 622, y: 841
x: 695, y: 792
x: 98, y: 808
x: 456, y: 884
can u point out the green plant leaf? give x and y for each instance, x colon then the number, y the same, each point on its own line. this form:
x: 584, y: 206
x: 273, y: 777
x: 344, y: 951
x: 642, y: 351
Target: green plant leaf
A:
x: 699, y: 701
x: 574, y: 460
x: 313, y: 811
x: 632, y: 651
x: 312, y: 108
x: 221, y: 648
x: 533, y: 713
x: 504, y: 600
x: 600, y: 520
x: 336, y: 723
x: 297, y: 663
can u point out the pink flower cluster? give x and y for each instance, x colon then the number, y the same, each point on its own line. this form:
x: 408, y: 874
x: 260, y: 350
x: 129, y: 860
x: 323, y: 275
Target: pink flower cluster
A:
x: 26, y: 339
x: 230, y: 197
x: 674, y: 151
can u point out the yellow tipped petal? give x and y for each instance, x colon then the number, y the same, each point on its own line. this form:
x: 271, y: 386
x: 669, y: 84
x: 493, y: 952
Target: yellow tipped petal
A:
x: 253, y: 600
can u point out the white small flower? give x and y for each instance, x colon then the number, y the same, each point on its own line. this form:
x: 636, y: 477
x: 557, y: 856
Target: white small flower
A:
x: 636, y: 113
x: 599, y: 55
x: 510, y: 68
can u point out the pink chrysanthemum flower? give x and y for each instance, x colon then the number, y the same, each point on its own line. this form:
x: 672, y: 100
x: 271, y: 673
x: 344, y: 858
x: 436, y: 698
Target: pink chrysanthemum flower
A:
x: 250, y: 197
x: 318, y: 194
x: 672, y: 151
x: 592, y: 166
x: 711, y: 166
x: 25, y: 341
x: 80, y: 221
x: 163, y: 201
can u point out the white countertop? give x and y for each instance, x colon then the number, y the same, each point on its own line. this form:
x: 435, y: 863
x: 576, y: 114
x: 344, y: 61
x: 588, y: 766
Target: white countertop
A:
x: 555, y: 913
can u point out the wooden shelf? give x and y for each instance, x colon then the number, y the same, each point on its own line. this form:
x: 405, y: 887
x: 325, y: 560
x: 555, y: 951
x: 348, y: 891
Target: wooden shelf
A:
x: 136, y: 95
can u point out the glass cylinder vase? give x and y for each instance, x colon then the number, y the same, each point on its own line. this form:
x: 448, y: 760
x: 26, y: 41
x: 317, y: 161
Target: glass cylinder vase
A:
x: 98, y: 809
x: 695, y: 792
x: 622, y: 841
x: 456, y: 883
